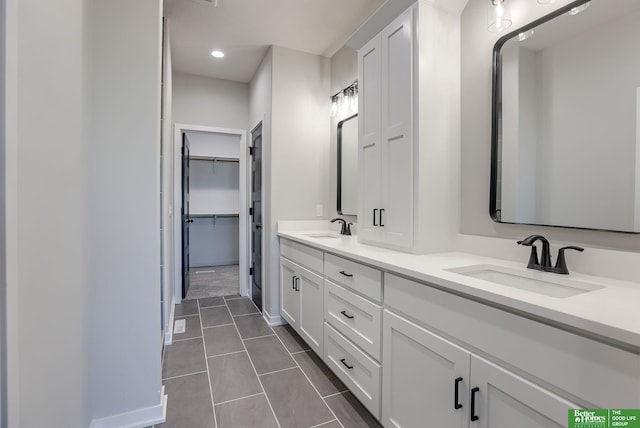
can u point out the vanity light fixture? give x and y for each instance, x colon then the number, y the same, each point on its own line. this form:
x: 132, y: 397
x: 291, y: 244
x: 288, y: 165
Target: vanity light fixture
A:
x: 498, y: 16
x: 576, y: 10
x: 217, y: 53
x: 524, y: 35
x: 345, y: 101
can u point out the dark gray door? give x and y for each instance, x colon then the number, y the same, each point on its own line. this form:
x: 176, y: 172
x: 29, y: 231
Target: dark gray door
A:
x: 256, y: 217
x: 185, y: 216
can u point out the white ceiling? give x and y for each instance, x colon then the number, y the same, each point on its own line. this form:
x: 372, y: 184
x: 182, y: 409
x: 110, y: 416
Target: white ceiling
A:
x: 244, y: 29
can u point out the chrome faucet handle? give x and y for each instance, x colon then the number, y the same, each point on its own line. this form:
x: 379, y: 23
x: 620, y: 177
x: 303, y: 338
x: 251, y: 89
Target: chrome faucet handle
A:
x: 561, y: 262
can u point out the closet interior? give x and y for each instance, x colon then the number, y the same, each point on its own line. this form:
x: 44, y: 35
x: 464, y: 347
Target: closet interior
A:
x: 214, y: 198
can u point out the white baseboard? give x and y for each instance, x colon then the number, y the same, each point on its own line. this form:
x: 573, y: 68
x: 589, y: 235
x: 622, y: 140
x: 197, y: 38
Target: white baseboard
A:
x: 271, y: 320
x: 138, y: 418
x: 168, y: 334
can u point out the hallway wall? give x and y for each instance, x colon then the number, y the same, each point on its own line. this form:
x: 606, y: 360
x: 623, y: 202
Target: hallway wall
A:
x: 204, y: 101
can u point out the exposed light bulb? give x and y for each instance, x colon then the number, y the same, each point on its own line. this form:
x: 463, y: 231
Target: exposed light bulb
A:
x: 343, y: 103
x: 546, y: 1
x: 334, y: 106
x: 217, y: 54
x: 576, y: 10
x: 498, y: 16
x: 524, y: 35
x: 354, y: 101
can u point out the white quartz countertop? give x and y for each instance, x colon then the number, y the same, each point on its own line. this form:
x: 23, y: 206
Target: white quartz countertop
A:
x: 611, y: 312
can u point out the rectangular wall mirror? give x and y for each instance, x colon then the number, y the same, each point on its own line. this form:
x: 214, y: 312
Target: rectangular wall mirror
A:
x: 566, y: 119
x: 348, y: 166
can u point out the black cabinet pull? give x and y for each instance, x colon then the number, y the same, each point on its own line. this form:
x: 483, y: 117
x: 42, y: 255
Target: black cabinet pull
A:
x: 345, y: 364
x: 456, y: 400
x: 297, y: 283
x: 348, y: 275
x: 347, y: 315
x: 293, y: 282
x: 375, y: 211
x: 381, y: 211
x: 474, y: 417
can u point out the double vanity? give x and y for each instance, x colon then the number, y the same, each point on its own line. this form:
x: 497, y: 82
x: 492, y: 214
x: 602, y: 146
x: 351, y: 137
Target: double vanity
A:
x: 456, y: 338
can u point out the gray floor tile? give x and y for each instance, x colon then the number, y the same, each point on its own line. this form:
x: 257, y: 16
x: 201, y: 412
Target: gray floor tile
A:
x: 232, y: 296
x: 333, y: 424
x: 242, y: 306
x: 222, y: 340
x: 290, y: 338
x: 251, y: 412
x: 189, y: 402
x: 184, y: 357
x: 268, y: 354
x: 295, y: 402
x: 252, y: 326
x: 211, y: 301
x: 351, y: 412
x: 192, y: 329
x: 212, y: 317
x: 232, y: 377
x: 319, y: 374
x: 187, y: 307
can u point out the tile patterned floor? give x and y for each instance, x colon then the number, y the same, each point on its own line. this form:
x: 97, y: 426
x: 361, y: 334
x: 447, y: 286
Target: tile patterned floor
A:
x: 229, y: 369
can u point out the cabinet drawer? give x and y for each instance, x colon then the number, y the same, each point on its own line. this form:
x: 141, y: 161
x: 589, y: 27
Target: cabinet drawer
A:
x: 358, y: 277
x: 353, y: 367
x: 355, y: 317
x: 598, y: 374
x: 302, y: 255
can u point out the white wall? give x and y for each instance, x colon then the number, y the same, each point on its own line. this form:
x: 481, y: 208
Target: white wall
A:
x: 166, y: 184
x: 123, y: 173
x: 205, y: 101
x: 52, y: 215
x: 344, y: 71
x: 290, y: 94
x: 299, y: 149
x: 477, y: 44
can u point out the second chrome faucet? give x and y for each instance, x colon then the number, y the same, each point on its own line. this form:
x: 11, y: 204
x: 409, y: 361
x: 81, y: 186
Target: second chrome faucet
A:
x: 544, y: 264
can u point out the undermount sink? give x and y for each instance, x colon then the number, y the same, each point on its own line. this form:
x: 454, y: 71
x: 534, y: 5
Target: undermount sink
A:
x: 544, y: 283
x: 328, y: 235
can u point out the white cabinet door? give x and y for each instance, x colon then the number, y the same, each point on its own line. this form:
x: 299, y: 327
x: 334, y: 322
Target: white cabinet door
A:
x: 289, y: 296
x: 369, y: 69
x: 505, y: 400
x: 397, y: 172
x: 422, y: 373
x: 311, y: 321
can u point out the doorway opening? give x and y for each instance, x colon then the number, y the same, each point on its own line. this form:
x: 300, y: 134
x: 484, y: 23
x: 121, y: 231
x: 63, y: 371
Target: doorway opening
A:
x: 212, y: 229
x: 256, y: 215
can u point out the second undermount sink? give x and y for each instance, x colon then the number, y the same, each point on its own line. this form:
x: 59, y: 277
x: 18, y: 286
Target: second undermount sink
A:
x: 544, y: 283
x: 327, y: 235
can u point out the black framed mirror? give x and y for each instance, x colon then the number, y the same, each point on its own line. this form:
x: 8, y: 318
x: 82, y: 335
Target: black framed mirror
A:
x: 566, y: 119
x: 348, y: 166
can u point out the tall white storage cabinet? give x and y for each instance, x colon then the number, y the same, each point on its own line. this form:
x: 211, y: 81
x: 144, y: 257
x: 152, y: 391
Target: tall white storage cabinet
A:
x: 214, y: 195
x: 408, y: 113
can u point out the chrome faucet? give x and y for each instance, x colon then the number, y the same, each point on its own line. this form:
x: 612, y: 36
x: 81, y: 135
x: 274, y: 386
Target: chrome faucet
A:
x: 346, y: 227
x: 545, y: 263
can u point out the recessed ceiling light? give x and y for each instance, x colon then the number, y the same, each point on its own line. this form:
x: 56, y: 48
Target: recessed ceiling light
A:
x: 217, y: 54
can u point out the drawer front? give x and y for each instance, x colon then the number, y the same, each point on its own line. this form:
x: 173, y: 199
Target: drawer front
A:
x: 301, y: 254
x: 598, y: 374
x: 357, y: 370
x: 362, y: 279
x: 355, y: 317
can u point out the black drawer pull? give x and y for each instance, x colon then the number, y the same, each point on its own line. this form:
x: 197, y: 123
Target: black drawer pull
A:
x: 293, y: 282
x: 347, y: 315
x: 456, y: 400
x: 348, y: 275
x: 345, y: 364
x: 381, y: 211
x: 375, y: 211
x: 474, y: 417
